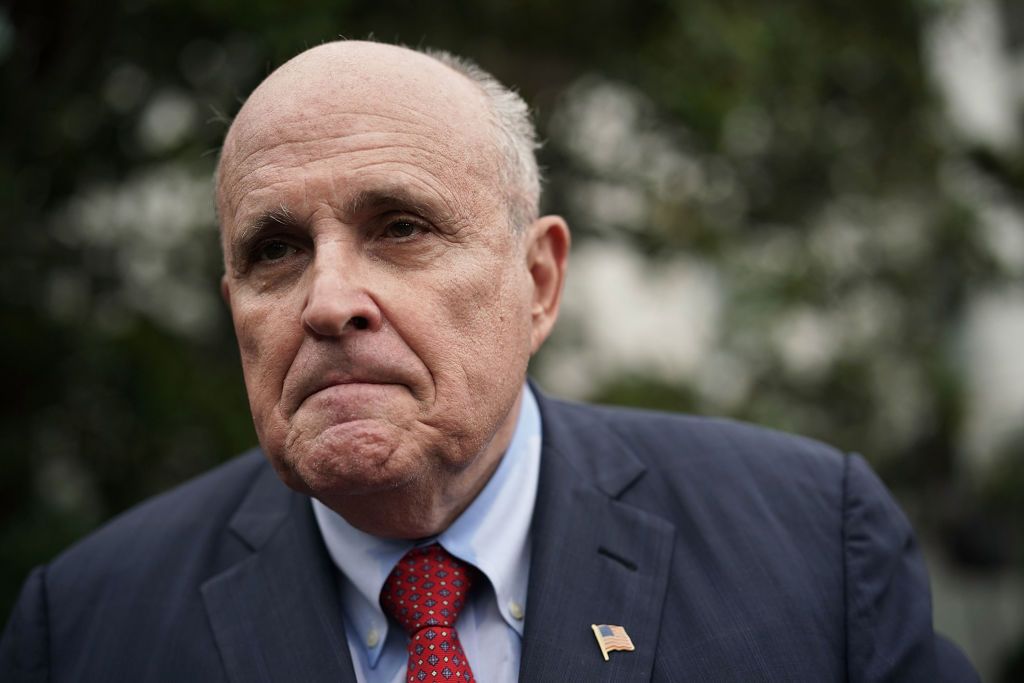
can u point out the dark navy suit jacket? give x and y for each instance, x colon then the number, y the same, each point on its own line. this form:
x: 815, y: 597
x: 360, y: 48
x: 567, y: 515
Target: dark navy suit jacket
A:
x: 728, y: 552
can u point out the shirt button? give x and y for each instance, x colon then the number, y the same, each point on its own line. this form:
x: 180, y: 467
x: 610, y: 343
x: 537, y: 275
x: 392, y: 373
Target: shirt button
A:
x: 372, y: 638
x: 516, y: 610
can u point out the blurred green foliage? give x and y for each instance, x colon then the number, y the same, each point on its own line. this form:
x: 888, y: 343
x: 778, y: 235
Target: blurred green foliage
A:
x: 799, y: 151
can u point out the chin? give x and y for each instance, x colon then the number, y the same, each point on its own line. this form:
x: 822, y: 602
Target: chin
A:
x: 351, y: 459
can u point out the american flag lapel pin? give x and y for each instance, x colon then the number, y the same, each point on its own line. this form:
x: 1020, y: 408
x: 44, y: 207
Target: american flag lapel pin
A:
x: 611, y: 638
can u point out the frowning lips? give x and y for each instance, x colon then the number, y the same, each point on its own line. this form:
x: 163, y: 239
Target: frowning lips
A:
x: 328, y: 370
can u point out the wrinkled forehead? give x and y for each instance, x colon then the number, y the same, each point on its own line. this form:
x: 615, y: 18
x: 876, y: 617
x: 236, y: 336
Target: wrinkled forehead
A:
x: 361, y: 89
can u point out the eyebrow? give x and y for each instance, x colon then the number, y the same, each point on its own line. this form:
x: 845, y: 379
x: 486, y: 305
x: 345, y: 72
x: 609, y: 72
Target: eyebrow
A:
x: 385, y: 198
x: 251, y: 232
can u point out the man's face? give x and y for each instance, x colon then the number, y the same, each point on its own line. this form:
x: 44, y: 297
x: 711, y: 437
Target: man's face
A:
x: 384, y: 309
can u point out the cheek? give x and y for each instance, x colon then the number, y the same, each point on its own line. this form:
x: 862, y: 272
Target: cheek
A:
x: 484, y: 319
x: 247, y: 331
x: 502, y: 310
x: 267, y: 344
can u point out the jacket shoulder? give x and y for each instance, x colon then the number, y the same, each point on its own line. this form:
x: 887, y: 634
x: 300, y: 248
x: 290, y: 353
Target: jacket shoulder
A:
x: 187, y: 516
x: 667, y: 442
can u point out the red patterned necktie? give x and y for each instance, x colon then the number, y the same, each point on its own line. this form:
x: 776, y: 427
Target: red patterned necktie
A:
x: 425, y: 593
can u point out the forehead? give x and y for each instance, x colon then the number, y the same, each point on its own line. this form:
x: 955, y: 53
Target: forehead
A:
x: 353, y: 119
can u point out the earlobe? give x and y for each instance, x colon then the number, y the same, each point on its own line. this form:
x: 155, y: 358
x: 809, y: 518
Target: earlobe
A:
x: 225, y: 293
x: 547, y: 256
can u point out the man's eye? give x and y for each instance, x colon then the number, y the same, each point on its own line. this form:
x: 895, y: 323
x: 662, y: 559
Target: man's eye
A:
x: 274, y: 250
x: 402, y: 228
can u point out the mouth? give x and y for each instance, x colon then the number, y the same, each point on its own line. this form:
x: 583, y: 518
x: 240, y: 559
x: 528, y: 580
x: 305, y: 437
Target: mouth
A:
x: 342, y: 377
x: 347, y: 388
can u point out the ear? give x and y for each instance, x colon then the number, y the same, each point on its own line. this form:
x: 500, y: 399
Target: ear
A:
x: 547, y: 251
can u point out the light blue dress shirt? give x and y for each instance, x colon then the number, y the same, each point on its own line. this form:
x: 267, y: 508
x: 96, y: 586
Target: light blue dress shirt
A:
x: 492, y: 534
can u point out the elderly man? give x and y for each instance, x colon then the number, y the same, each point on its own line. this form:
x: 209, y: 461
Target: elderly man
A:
x: 439, y: 519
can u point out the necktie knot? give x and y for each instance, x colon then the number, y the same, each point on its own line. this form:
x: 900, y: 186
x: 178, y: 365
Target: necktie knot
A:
x: 427, y: 587
x: 425, y: 593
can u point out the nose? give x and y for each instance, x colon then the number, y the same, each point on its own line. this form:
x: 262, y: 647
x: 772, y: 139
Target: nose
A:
x: 338, y: 301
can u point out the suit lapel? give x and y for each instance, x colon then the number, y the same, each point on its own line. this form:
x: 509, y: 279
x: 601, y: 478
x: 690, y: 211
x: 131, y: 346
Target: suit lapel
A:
x: 595, y: 559
x: 276, y: 614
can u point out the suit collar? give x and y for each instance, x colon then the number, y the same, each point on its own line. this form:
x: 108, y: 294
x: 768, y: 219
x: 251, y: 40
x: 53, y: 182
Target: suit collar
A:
x: 596, y: 559
x: 265, y: 507
x: 275, y: 613
x: 575, y: 434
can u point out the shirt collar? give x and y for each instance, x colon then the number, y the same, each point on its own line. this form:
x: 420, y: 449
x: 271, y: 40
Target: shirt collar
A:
x: 492, y: 534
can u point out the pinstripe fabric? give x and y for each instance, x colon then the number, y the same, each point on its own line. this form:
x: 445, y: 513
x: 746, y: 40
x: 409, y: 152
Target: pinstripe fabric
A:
x: 728, y: 552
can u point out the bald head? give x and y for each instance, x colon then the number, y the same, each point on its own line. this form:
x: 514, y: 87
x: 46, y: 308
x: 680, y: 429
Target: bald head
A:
x: 485, y: 125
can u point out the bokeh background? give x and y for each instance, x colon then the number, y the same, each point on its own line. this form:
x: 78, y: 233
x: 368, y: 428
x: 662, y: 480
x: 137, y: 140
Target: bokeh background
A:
x: 806, y: 213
